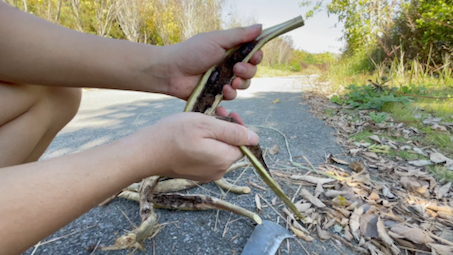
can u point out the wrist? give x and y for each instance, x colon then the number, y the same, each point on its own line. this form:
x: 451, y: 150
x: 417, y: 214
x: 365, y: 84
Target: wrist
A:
x: 154, y: 74
x: 141, y: 160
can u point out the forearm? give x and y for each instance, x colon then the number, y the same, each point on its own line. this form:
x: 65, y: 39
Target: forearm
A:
x: 35, y: 51
x: 44, y: 196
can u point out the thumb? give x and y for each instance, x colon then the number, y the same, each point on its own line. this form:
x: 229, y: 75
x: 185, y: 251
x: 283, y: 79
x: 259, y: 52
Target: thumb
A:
x: 232, y: 133
x: 230, y: 38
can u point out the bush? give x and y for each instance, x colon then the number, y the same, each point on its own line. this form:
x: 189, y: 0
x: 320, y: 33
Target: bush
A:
x: 367, y: 97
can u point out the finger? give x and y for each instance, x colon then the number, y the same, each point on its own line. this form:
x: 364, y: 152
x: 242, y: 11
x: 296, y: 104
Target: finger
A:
x: 220, y: 111
x: 239, y: 83
x: 236, y: 117
x: 228, y: 154
x: 244, y: 70
x: 229, y: 93
x: 231, y: 133
x: 227, y: 39
x: 257, y: 58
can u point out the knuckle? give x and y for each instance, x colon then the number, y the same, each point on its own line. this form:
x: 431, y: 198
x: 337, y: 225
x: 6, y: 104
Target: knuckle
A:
x: 241, y: 30
x: 238, y: 134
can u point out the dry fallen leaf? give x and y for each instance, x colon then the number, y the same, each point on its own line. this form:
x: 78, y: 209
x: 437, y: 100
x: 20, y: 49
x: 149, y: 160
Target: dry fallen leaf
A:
x: 315, y: 201
x: 370, y: 154
x: 334, y: 193
x: 374, y: 196
x: 339, y: 161
x: 357, y: 166
x: 274, y: 201
x: 413, y: 234
x: 419, y: 151
x: 274, y: 150
x: 385, y: 237
x: 302, y: 207
x: 354, y: 222
x: 312, y: 179
x: 373, y: 249
x: 442, y: 191
x: 347, y: 235
x: 322, y: 234
x: 330, y: 223
x: 430, y: 121
x: 439, y: 128
x: 413, y: 184
x: 353, y: 152
x: 368, y: 225
x: 438, y: 158
x: 387, y: 193
x: 258, y: 203
x: 365, y: 145
x: 301, y: 234
x: 421, y: 162
x: 441, y: 249
x: 375, y: 138
x: 319, y: 190
x: 276, y: 101
x: 443, y: 209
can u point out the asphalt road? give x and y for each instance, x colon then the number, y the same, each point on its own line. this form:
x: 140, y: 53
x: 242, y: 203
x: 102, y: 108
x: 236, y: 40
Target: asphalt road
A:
x: 106, y: 115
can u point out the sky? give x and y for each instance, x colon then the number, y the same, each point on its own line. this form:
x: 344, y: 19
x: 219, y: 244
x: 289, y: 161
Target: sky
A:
x: 317, y: 36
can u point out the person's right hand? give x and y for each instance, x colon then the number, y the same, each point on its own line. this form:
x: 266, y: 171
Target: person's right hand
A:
x: 191, y: 146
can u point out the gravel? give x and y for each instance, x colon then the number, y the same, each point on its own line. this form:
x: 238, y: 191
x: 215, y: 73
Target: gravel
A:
x: 106, y: 115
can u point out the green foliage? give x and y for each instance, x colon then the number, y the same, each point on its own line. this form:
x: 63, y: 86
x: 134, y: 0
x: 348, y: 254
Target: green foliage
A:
x: 152, y: 21
x: 414, y: 89
x: 378, y: 32
x: 294, y: 65
x: 366, y: 97
x: 312, y: 58
x: 378, y: 117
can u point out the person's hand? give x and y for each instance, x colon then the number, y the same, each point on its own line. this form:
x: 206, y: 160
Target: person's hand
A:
x: 191, y: 146
x: 189, y: 60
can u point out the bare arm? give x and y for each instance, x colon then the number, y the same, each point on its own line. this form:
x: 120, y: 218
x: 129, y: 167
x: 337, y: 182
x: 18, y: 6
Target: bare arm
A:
x: 35, y: 51
x: 42, y: 197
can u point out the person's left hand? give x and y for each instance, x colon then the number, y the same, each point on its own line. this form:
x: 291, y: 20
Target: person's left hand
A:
x: 189, y: 60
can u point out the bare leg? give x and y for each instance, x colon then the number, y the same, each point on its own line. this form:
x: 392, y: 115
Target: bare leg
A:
x: 30, y: 117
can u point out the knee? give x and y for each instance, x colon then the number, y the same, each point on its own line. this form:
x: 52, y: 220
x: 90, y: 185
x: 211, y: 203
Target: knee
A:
x: 63, y: 103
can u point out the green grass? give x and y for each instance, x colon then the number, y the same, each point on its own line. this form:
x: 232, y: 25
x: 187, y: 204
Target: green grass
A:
x: 410, y: 79
x: 409, y: 156
x: 442, y: 141
x: 406, y: 113
x: 363, y: 137
x: 329, y: 112
x: 441, y: 173
x: 401, y: 112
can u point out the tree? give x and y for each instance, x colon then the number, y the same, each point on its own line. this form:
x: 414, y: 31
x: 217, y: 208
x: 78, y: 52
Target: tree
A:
x: 129, y: 18
x: 105, y: 12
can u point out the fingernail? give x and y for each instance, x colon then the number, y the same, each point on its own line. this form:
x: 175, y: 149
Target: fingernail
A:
x: 256, y: 26
x: 252, y: 138
x: 239, y: 69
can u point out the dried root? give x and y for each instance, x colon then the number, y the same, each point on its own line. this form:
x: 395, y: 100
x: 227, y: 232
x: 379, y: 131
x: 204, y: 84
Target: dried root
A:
x: 133, y: 239
x: 200, y: 202
x: 146, y: 191
x: 224, y: 184
x: 192, y: 203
